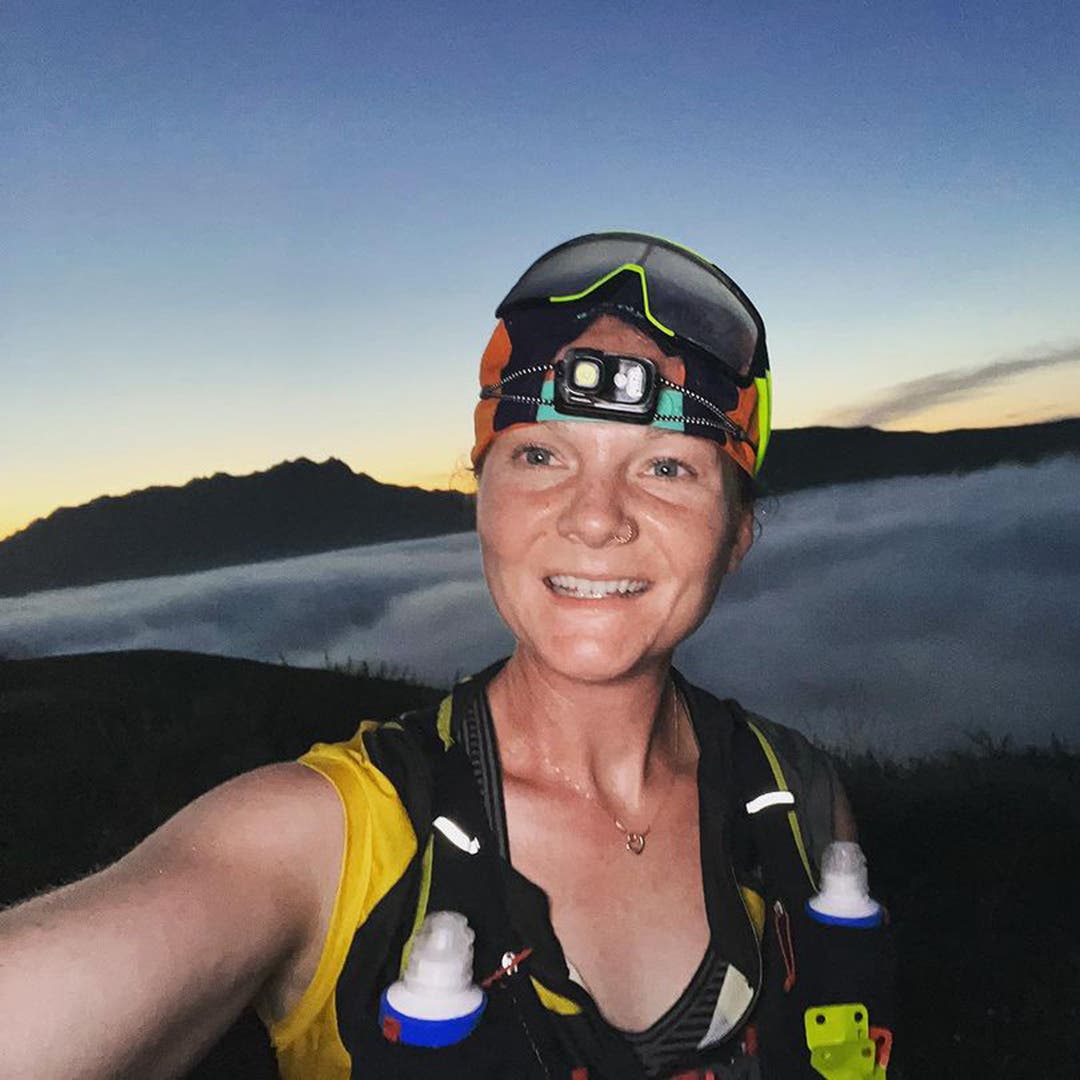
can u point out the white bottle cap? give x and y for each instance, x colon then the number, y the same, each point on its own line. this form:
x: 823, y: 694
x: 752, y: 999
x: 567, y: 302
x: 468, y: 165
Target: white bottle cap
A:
x: 844, y: 892
x: 438, y: 977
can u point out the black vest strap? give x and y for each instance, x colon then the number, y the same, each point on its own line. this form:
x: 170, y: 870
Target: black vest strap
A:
x: 772, y: 847
x: 518, y: 1036
x: 479, y: 886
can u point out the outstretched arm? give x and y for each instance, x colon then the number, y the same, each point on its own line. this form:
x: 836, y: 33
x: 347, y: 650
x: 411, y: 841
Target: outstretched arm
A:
x: 138, y: 969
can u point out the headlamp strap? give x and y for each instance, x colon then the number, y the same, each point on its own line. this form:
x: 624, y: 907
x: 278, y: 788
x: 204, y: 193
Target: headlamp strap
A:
x: 723, y: 422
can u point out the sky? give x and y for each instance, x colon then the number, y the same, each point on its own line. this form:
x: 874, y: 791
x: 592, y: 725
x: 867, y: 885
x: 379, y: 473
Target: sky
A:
x: 238, y: 233
x: 905, y: 616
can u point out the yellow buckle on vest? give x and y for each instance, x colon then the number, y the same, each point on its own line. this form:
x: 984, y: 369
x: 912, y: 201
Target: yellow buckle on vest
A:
x: 838, y: 1037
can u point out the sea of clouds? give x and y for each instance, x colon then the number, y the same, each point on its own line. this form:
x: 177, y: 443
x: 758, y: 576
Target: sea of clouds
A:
x: 905, y: 615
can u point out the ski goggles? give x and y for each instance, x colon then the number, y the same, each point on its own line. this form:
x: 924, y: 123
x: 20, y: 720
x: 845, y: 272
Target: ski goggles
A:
x: 721, y: 389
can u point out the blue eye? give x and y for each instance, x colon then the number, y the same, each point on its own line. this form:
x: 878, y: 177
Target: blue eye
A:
x: 669, y: 468
x: 534, y: 455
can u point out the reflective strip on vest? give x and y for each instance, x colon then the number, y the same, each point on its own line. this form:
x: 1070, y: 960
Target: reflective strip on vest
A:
x: 770, y: 798
x: 457, y: 835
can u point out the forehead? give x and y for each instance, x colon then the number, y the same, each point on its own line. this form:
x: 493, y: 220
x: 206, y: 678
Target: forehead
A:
x: 612, y: 335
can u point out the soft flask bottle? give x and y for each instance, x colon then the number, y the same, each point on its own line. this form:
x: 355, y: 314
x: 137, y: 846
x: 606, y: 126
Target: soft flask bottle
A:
x: 844, y: 897
x: 436, y: 1003
x: 833, y: 961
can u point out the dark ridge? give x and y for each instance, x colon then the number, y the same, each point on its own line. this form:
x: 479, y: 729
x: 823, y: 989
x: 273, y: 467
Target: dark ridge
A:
x: 295, y: 508
x: 816, y: 456
x: 302, y: 508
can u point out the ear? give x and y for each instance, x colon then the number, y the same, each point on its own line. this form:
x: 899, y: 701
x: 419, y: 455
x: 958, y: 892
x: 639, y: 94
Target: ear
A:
x: 742, y: 539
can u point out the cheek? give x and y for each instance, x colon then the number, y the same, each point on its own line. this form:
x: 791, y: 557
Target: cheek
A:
x: 495, y: 547
x: 501, y: 524
x: 491, y: 516
x: 511, y: 516
x: 701, y: 552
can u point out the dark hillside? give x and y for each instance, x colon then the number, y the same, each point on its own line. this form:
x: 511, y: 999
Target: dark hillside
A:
x: 974, y: 854
x: 147, y: 732
x: 98, y: 750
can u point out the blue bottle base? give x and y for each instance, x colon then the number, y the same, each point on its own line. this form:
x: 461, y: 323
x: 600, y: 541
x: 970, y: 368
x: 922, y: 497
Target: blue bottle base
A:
x: 865, y: 922
x: 412, y: 1031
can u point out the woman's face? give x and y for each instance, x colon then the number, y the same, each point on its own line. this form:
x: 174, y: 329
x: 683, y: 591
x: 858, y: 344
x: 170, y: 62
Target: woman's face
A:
x: 552, y: 498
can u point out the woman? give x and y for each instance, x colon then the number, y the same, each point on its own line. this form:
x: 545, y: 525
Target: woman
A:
x: 612, y: 883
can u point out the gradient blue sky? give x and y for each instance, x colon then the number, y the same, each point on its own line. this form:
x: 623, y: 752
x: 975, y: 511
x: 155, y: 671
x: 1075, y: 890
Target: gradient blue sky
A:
x: 241, y: 232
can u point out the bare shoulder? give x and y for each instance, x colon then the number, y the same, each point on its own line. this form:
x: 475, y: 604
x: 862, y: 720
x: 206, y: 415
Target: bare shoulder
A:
x: 276, y: 836
x: 275, y: 810
x: 270, y: 823
x: 271, y: 841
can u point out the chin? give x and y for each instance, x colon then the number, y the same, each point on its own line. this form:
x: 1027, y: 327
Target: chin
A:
x: 590, y: 659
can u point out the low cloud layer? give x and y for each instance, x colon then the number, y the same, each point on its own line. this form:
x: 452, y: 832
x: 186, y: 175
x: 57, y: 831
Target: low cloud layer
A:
x: 909, y: 398
x: 902, y: 615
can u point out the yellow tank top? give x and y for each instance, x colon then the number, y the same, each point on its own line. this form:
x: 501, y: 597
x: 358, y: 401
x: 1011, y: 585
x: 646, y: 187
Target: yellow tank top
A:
x: 379, y: 842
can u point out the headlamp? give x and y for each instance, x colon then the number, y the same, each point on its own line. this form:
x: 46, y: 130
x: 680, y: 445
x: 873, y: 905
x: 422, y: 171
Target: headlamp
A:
x: 606, y: 386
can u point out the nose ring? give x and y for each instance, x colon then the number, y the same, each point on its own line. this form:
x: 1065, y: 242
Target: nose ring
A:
x: 624, y: 533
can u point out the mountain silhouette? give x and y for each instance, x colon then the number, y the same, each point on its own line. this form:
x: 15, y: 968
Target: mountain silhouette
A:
x: 813, y: 456
x: 297, y: 507
x: 300, y: 507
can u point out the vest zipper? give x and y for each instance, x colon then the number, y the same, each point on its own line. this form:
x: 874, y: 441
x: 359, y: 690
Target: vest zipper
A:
x: 783, y: 938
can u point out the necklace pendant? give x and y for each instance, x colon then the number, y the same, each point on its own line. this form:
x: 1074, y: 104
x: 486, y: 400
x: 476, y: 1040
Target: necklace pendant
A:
x: 635, y: 842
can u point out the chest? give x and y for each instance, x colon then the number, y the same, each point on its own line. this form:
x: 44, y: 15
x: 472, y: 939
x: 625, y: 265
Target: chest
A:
x: 633, y: 926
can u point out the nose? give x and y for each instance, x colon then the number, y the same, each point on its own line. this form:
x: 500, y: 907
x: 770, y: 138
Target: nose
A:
x: 595, y: 514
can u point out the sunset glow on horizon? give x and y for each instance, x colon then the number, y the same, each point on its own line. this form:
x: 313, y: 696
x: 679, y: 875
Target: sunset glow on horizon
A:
x: 232, y: 241
x: 456, y: 476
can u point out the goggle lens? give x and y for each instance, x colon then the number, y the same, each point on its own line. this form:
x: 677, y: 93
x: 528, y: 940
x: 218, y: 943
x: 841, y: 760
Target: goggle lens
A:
x: 681, y: 295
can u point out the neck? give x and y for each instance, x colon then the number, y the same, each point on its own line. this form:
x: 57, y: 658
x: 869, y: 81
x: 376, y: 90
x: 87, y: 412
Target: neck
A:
x: 613, y: 741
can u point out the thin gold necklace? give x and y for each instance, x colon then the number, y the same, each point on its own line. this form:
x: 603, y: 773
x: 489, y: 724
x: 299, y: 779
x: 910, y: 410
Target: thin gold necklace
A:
x: 635, y: 838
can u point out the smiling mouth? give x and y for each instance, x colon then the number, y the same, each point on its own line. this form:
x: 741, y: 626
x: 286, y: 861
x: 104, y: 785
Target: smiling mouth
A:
x: 594, y: 588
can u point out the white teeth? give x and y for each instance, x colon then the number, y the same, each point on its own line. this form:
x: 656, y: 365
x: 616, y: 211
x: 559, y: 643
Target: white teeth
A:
x: 587, y: 588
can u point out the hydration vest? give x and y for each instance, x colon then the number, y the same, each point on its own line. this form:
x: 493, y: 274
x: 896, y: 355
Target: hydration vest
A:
x: 541, y: 1025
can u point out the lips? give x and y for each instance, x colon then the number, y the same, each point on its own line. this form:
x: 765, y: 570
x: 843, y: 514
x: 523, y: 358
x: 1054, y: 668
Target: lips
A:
x: 583, y: 588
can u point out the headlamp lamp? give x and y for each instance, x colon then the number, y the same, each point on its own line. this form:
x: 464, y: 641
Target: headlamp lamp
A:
x: 606, y: 386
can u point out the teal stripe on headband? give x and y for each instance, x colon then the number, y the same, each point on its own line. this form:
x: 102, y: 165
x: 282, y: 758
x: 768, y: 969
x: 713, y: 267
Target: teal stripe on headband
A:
x: 668, y: 403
